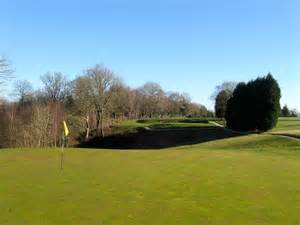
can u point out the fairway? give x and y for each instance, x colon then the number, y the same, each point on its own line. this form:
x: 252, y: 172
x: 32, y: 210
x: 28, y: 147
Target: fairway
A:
x: 242, y: 180
x: 288, y: 124
x: 288, y: 127
x: 149, y: 113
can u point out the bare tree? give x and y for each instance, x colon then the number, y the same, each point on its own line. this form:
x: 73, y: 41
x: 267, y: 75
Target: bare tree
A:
x: 55, y: 90
x: 121, y: 103
x: 221, y: 103
x: 93, y: 93
x: 103, y: 84
x: 23, y: 90
x: 55, y: 86
x: 134, y: 104
x: 39, y: 129
x: 94, y: 101
x: 12, y: 128
x: 153, y: 94
x: 221, y: 96
x: 227, y: 86
x: 5, y: 70
x: 83, y: 101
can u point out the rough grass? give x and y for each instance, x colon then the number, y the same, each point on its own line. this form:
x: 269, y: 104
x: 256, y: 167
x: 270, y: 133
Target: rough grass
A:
x: 221, y: 182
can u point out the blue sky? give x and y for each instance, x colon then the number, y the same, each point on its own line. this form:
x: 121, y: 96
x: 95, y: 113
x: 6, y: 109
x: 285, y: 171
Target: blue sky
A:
x: 187, y: 46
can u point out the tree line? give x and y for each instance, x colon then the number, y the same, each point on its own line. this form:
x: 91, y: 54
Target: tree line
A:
x: 91, y: 103
x: 286, y: 112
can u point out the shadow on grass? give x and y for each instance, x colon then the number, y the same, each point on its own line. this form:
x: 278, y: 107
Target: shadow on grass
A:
x: 160, y: 138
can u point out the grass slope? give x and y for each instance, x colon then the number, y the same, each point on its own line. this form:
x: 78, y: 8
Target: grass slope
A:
x: 211, y: 183
x: 133, y: 125
x: 288, y: 127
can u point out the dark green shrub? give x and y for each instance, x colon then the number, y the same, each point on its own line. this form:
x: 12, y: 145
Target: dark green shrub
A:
x: 255, y: 105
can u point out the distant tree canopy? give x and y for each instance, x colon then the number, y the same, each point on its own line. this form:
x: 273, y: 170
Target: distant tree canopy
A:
x: 286, y: 112
x: 254, y: 105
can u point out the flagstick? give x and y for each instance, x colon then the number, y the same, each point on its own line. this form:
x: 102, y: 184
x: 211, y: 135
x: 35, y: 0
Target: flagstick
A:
x: 62, y: 153
x: 65, y: 134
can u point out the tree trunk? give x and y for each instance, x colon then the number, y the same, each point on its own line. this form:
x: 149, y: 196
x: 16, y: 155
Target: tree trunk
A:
x: 87, y: 127
x: 101, y: 124
x: 97, y: 121
x: 55, y: 125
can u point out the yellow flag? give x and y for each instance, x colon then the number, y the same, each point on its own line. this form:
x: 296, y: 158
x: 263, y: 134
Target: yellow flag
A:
x: 66, y: 129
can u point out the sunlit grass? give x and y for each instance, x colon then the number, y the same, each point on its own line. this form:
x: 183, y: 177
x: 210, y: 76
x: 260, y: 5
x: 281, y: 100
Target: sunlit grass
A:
x: 288, y: 124
x: 251, y: 179
x: 133, y: 125
x: 223, y: 182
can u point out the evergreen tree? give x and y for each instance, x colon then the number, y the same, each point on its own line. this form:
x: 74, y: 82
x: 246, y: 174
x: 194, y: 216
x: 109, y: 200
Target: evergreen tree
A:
x: 285, y: 112
x: 255, y: 105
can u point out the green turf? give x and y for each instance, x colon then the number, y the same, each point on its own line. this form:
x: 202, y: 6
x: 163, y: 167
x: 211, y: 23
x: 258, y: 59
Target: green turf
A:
x: 178, y: 125
x: 288, y: 124
x: 288, y: 127
x: 228, y: 181
x: 251, y: 179
x: 133, y: 125
x: 127, y: 126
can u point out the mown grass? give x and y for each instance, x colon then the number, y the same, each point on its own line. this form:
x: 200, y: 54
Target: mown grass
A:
x: 223, y: 182
x: 288, y: 124
x: 288, y: 127
x: 244, y: 180
x: 177, y: 123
